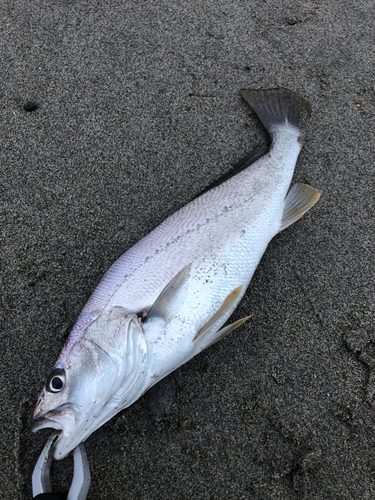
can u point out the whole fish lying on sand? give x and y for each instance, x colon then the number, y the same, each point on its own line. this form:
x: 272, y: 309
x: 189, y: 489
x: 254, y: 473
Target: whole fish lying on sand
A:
x: 168, y: 297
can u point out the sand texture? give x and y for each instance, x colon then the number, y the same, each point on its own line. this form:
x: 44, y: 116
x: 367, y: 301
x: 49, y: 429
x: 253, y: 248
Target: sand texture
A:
x: 114, y: 114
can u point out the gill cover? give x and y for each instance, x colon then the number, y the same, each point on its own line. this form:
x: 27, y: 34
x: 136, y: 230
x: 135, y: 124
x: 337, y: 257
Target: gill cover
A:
x: 99, y: 372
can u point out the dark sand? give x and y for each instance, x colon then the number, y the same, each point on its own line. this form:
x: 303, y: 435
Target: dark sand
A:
x: 138, y: 110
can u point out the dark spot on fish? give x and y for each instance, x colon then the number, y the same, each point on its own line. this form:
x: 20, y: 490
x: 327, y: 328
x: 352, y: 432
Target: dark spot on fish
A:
x: 142, y: 316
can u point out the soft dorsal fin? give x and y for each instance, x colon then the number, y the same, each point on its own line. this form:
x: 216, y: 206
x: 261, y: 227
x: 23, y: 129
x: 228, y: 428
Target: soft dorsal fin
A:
x: 227, y: 304
x: 299, y: 199
x: 249, y: 159
x: 162, y: 305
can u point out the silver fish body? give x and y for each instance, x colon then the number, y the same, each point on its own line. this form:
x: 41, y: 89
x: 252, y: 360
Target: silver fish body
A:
x: 167, y: 297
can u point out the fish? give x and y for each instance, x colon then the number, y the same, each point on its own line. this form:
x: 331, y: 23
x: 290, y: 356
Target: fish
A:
x: 168, y: 297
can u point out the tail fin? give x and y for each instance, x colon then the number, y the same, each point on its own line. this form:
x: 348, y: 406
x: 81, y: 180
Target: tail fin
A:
x: 278, y: 107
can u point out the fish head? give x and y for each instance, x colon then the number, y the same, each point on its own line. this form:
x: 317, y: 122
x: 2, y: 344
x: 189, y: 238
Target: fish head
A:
x: 98, y: 371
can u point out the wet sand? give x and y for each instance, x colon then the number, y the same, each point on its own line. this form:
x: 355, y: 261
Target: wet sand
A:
x: 116, y: 114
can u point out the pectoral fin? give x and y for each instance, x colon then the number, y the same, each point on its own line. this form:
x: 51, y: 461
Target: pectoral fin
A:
x: 299, y: 199
x: 162, y: 307
x: 227, y: 304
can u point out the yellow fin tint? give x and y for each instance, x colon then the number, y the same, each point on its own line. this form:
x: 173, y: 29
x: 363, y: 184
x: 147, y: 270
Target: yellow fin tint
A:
x: 227, y: 329
x: 227, y: 304
x: 299, y: 199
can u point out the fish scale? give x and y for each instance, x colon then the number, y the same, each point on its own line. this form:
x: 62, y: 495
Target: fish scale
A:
x: 136, y: 278
x: 168, y: 297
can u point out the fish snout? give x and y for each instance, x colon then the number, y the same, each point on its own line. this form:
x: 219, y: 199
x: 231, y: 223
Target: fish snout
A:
x: 62, y: 419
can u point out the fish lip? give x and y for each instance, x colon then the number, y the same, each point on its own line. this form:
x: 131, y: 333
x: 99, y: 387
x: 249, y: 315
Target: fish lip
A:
x: 66, y: 418
x: 45, y: 422
x: 53, y: 418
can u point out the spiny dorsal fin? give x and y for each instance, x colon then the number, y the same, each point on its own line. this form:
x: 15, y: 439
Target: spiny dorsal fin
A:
x: 299, y: 199
x: 227, y: 304
x: 162, y: 305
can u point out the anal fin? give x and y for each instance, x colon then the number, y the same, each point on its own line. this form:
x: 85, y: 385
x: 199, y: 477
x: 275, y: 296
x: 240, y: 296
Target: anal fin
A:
x: 224, y: 331
x: 298, y: 201
x: 227, y: 304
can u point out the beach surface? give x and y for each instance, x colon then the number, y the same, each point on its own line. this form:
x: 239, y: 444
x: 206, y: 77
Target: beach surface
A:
x: 113, y: 116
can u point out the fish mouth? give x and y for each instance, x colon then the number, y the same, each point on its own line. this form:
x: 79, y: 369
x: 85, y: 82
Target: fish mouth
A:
x: 65, y: 419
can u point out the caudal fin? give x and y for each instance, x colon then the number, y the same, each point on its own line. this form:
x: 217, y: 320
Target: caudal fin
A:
x: 277, y: 107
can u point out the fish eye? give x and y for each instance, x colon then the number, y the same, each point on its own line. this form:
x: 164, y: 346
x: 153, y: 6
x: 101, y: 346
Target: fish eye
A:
x: 56, y: 380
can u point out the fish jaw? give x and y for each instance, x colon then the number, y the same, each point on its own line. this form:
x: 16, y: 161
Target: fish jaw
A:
x: 68, y: 421
x: 64, y: 419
